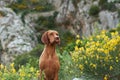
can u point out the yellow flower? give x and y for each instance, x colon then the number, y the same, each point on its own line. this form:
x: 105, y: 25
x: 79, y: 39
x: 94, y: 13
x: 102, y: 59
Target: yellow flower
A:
x: 106, y: 59
x: 86, y: 62
x: 94, y: 66
x: 2, y: 66
x: 106, y: 51
x: 97, y: 57
x: 100, y: 49
x: 111, y: 68
x: 37, y: 73
x: 76, y: 48
x: 117, y: 59
x: 12, y: 64
x: 13, y: 70
x: 78, y: 36
x: 106, y: 38
x: 98, y: 36
x: 81, y: 67
x: 5, y: 69
x: 81, y: 49
x: 103, y: 31
x: 97, y: 43
x: 31, y: 69
x: 77, y: 41
x: 116, y: 33
x: 91, y: 38
x: 22, y: 73
x: 105, y: 77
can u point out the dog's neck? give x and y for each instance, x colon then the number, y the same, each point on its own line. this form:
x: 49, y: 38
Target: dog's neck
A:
x: 50, y: 49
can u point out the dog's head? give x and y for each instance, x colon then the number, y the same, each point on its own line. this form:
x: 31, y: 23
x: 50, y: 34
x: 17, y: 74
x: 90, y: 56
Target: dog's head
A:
x: 50, y: 37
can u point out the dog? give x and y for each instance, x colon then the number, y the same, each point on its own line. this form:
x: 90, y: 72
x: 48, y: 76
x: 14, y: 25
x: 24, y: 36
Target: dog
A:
x: 49, y: 62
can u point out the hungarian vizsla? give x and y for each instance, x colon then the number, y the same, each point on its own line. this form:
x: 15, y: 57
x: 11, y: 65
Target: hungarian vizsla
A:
x: 49, y: 62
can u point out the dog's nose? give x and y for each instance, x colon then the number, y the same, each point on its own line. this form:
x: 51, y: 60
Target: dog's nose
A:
x: 57, y: 37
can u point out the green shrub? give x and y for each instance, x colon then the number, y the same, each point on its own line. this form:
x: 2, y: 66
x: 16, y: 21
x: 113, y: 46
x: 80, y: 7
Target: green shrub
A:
x: 24, y: 73
x: 110, y: 6
x: 34, y: 5
x: 99, y: 55
x: 67, y: 69
x: 75, y: 2
x: 101, y: 2
x: 107, y: 5
x: 66, y: 36
x: 32, y: 57
x: 118, y: 12
x: 94, y: 10
x: 45, y: 22
x: 2, y: 13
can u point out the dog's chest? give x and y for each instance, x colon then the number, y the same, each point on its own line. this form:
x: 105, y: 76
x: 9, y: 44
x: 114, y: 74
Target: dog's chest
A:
x: 52, y: 60
x: 49, y: 62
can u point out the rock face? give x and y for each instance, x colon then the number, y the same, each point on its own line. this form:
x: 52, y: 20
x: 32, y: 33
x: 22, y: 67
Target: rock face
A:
x: 108, y: 19
x: 56, y: 3
x: 15, y: 37
x: 76, y: 14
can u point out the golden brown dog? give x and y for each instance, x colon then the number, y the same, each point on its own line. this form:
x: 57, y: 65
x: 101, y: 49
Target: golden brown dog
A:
x: 49, y: 62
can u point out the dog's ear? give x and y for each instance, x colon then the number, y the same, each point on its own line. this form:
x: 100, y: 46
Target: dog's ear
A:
x: 45, y: 38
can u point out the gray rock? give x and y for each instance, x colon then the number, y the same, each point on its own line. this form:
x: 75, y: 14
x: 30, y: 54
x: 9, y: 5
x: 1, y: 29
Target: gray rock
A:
x: 108, y: 19
x: 80, y: 20
x: 16, y: 38
x: 56, y: 3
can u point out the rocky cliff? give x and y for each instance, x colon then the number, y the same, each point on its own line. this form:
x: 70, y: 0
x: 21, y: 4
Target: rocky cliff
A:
x: 83, y: 17
x: 76, y: 13
x: 15, y: 37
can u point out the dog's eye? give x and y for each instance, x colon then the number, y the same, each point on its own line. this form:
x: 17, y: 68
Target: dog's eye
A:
x: 57, y: 34
x: 51, y: 33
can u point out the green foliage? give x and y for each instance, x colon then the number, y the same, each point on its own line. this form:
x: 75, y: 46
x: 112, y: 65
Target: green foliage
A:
x: 2, y: 14
x: 24, y: 73
x: 99, y: 55
x: 45, y: 22
x: 94, y: 10
x: 32, y: 5
x: 118, y: 28
x: 31, y: 57
x: 115, y: 1
x: 26, y: 6
x: 101, y: 2
x: 67, y: 69
x: 66, y: 37
x: 75, y: 2
x: 118, y: 10
x: 107, y: 5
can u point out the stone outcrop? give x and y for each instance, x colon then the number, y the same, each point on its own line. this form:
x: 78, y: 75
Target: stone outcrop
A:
x: 75, y: 16
x: 15, y: 37
x: 80, y: 22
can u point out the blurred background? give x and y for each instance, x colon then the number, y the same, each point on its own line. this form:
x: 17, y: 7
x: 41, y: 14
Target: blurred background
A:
x: 86, y: 27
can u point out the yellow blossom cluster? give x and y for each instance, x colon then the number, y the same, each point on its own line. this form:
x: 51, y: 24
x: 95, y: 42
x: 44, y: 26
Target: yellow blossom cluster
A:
x: 24, y: 73
x: 98, y: 54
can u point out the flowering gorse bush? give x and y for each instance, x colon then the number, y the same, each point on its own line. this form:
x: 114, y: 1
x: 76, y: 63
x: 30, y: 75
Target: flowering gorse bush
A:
x: 98, y: 55
x: 24, y: 73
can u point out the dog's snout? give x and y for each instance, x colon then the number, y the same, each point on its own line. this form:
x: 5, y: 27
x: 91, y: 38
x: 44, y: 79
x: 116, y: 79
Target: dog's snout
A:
x: 57, y: 37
